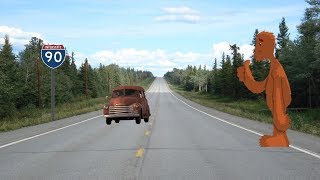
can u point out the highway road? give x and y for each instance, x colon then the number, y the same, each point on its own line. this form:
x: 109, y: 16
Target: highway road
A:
x: 183, y: 140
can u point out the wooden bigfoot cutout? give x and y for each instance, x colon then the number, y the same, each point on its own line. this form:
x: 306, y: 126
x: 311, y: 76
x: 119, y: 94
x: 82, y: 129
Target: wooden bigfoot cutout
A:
x: 276, y: 86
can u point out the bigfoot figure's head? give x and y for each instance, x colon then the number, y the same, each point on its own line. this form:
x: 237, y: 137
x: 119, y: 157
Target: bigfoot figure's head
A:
x: 265, y: 44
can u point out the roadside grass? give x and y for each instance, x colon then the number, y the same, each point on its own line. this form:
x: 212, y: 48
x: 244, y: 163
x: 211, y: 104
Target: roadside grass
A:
x: 307, y: 121
x: 146, y: 83
x: 30, y: 116
x: 33, y: 116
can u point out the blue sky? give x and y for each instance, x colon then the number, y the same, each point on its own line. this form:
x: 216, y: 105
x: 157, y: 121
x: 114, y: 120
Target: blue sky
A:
x: 146, y: 34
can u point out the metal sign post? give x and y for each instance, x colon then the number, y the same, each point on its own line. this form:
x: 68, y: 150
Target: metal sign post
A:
x: 53, y: 94
x: 53, y: 56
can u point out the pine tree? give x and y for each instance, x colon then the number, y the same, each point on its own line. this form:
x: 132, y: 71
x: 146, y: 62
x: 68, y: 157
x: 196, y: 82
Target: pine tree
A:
x: 63, y: 85
x: 29, y: 77
x: 227, y: 78
x: 73, y: 76
x: 212, y: 78
x: 215, y: 76
x: 237, y: 61
x: 225, y: 75
x: 81, y: 86
x: 282, y: 38
x: 8, y: 63
x: 66, y: 66
x: 8, y: 79
x: 307, y: 64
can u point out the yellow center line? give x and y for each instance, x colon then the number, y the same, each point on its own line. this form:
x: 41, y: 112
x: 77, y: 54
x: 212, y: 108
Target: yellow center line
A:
x: 139, y: 152
x: 147, y: 133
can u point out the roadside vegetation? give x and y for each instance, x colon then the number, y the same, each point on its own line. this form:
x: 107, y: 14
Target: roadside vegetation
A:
x: 220, y: 87
x: 25, y: 85
x: 304, y: 120
x: 33, y: 115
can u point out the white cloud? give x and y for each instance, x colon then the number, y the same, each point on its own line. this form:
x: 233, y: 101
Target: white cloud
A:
x: 158, y: 61
x: 229, y: 17
x: 132, y: 57
x: 246, y: 50
x: 252, y: 16
x: 179, y: 10
x: 189, y: 57
x: 17, y: 36
x: 178, y: 18
x: 179, y: 14
x: 219, y: 48
x: 79, y: 58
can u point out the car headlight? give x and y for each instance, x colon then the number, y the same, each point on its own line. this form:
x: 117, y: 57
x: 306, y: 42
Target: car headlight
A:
x: 135, y: 107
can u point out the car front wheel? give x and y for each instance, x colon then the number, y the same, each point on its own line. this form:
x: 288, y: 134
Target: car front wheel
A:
x: 138, y: 120
x: 117, y: 121
x: 108, y: 121
x: 146, y: 119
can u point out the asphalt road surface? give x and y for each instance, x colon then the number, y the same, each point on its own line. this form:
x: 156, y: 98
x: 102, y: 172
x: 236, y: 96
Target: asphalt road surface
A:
x: 183, y: 140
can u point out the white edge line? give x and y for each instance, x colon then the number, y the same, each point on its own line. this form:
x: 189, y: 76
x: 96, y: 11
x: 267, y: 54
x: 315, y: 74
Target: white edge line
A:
x: 48, y: 132
x: 238, y: 126
x: 305, y: 151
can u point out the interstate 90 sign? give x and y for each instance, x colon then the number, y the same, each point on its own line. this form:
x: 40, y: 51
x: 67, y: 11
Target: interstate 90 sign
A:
x: 53, y: 55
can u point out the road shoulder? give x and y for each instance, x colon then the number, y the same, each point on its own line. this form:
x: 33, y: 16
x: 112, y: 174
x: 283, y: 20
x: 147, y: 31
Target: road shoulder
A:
x: 15, y: 135
x: 296, y: 138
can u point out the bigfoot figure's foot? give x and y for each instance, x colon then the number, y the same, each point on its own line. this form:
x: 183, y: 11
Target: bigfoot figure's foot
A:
x: 278, y: 140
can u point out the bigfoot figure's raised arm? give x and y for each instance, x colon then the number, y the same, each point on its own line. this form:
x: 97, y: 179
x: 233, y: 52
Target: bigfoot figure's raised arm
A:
x: 245, y: 75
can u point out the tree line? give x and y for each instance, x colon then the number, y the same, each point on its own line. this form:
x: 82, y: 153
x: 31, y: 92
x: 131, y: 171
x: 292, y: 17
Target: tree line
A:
x: 300, y: 59
x: 20, y: 87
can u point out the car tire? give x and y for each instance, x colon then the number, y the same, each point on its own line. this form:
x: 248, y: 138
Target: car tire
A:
x: 146, y: 119
x: 138, y: 120
x: 117, y: 121
x: 108, y: 121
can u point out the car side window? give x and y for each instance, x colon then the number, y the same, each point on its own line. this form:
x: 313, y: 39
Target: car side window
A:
x: 140, y: 94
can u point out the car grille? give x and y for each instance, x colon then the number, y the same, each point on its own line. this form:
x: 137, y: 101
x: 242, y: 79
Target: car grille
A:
x: 120, y: 109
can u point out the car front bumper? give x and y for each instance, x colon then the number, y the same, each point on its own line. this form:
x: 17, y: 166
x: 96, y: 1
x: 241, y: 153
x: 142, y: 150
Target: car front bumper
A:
x: 122, y: 115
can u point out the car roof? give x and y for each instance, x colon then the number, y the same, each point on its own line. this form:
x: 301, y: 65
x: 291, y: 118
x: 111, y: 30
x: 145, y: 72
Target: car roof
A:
x: 139, y: 88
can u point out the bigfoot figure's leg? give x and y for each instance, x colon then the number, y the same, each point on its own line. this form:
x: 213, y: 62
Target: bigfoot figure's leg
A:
x: 279, y: 137
x: 278, y: 103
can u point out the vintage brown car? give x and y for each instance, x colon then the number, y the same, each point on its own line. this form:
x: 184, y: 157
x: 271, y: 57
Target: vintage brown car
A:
x: 127, y: 103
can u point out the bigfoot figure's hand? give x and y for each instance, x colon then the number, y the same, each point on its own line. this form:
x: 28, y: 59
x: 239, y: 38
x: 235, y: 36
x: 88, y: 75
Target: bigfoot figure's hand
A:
x: 242, y: 70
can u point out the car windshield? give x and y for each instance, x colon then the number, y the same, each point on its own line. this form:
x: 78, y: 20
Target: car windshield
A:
x: 124, y: 92
x: 130, y: 92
